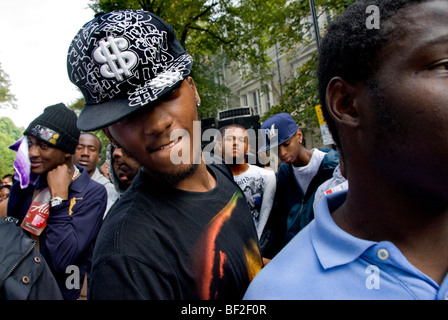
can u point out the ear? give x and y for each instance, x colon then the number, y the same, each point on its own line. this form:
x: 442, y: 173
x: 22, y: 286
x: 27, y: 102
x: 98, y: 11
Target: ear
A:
x: 341, y: 102
x: 108, y: 135
x: 299, y: 135
x: 192, y: 85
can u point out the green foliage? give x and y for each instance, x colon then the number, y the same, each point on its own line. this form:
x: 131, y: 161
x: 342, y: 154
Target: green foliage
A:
x: 7, y: 99
x: 9, y: 134
x: 218, y: 32
x: 300, y: 96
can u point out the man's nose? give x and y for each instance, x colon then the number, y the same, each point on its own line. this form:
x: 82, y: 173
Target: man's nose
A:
x: 156, y: 121
x: 118, y: 153
x: 32, y: 151
x: 281, y: 152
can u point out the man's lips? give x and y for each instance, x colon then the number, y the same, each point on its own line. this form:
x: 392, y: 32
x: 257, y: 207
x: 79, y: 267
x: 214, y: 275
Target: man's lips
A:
x: 35, y: 164
x: 83, y: 162
x: 123, y: 177
x: 168, y: 145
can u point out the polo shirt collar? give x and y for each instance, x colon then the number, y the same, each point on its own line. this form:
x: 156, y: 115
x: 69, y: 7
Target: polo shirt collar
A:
x: 334, y: 246
x: 82, y: 181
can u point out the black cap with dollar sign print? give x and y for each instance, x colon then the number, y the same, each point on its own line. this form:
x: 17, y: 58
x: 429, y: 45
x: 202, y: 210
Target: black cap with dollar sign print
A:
x: 122, y: 61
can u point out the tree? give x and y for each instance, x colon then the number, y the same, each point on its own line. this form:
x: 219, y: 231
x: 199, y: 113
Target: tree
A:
x: 7, y: 99
x: 237, y: 34
x: 9, y: 134
x: 301, y: 94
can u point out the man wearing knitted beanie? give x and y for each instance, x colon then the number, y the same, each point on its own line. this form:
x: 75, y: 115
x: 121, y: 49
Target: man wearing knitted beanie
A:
x: 73, y: 203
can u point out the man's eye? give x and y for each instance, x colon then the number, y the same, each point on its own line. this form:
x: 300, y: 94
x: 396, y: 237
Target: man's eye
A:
x: 43, y: 146
x: 441, y: 66
x: 170, y: 96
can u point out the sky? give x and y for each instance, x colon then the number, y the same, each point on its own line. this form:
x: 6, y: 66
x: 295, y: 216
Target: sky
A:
x: 34, y: 40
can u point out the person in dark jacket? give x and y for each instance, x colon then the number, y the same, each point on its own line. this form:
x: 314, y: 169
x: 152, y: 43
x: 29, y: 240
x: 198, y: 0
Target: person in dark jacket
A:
x: 74, y: 203
x: 299, y: 176
x: 24, y: 273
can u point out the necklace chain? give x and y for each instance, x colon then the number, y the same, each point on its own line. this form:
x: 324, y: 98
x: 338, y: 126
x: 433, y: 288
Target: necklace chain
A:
x: 75, y: 173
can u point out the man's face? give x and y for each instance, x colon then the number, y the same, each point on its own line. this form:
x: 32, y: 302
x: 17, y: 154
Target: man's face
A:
x: 125, y: 166
x: 87, y: 152
x: 406, y: 115
x: 4, y: 192
x: 43, y: 157
x: 235, y: 145
x: 153, y: 133
x: 291, y: 150
x: 7, y: 181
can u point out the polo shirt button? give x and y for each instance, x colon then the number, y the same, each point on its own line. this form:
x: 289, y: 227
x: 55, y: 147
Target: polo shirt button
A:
x: 383, y: 254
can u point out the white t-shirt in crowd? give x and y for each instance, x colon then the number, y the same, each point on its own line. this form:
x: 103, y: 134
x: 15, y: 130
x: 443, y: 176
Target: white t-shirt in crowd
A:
x: 305, y: 174
x: 258, y: 185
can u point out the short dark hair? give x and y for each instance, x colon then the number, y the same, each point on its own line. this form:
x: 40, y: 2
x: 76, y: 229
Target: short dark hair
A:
x: 8, y: 175
x: 350, y: 49
x: 98, y: 139
x: 235, y: 125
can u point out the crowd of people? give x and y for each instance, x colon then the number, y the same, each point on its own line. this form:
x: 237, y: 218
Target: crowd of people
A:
x: 365, y: 219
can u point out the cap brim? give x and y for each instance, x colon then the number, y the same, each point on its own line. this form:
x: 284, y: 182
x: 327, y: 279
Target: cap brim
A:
x: 98, y: 116
x: 269, y: 146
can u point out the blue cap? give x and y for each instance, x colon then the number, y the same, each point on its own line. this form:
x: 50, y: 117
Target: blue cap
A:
x: 278, y: 129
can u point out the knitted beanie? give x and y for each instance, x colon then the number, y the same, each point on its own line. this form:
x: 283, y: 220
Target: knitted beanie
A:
x: 57, y: 127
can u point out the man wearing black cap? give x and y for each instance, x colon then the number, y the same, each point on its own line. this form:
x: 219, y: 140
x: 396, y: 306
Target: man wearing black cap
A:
x: 73, y: 202
x: 181, y: 231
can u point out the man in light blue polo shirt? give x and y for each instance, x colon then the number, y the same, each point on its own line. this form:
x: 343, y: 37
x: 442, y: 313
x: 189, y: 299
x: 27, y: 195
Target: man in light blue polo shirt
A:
x: 383, y: 92
x: 325, y: 262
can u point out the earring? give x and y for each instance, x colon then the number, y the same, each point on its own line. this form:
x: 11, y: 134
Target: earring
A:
x: 198, y: 104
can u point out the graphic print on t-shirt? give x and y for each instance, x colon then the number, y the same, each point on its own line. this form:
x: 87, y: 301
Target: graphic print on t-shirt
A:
x: 253, y: 191
x: 211, y: 260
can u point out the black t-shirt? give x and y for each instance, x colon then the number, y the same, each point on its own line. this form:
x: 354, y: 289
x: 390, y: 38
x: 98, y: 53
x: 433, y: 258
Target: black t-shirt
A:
x: 162, y: 243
